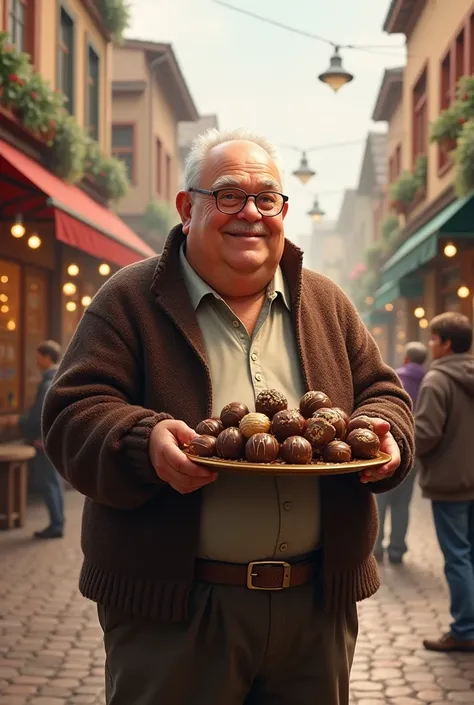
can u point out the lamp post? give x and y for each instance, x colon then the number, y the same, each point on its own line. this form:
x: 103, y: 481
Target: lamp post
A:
x: 304, y: 173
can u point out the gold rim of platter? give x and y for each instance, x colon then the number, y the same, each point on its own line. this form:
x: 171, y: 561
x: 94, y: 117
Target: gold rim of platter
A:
x: 243, y: 466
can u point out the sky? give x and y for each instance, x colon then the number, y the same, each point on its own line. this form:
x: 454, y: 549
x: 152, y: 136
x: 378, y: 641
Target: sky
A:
x: 264, y: 78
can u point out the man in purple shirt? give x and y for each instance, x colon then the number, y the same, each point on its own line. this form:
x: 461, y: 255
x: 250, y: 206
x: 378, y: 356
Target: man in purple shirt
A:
x: 411, y: 375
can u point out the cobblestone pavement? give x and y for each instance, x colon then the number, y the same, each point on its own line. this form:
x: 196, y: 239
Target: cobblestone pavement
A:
x: 51, y: 646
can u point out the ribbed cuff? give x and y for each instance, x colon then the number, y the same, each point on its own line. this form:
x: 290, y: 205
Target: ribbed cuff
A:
x: 136, y: 444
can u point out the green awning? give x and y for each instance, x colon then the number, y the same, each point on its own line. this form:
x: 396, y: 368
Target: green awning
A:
x: 411, y: 288
x: 456, y: 220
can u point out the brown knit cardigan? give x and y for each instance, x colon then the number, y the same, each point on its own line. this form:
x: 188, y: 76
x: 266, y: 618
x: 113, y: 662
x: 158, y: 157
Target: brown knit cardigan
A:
x: 138, y: 357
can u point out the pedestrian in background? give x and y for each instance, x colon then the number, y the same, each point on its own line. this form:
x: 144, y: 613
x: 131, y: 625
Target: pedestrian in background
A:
x: 48, y: 355
x: 398, y: 500
x: 444, y: 440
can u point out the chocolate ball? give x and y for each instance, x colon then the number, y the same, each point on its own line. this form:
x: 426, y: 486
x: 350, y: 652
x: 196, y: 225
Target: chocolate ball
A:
x: 365, y: 443
x: 286, y: 423
x: 262, y: 448
x: 334, y: 418
x: 210, y: 427
x: 254, y: 423
x: 345, y: 416
x: 233, y: 413
x: 296, y: 450
x: 204, y: 446
x: 270, y: 402
x: 337, y: 452
x: 360, y: 422
x: 230, y: 444
x: 319, y: 433
x: 312, y: 401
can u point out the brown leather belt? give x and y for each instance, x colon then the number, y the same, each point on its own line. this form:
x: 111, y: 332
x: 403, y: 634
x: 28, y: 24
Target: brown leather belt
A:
x: 258, y: 575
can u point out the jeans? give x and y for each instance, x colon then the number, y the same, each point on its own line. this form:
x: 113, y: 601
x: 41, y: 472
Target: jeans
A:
x: 454, y: 522
x: 398, y: 500
x: 51, y: 485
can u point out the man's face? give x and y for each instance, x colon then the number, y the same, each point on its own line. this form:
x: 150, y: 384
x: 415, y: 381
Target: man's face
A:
x: 234, y: 253
x: 439, y: 348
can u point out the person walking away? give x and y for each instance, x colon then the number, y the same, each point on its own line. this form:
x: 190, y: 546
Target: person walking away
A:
x: 398, y: 500
x: 48, y: 355
x: 444, y: 445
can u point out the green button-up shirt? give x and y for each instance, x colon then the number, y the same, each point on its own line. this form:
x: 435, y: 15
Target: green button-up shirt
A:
x: 246, y: 517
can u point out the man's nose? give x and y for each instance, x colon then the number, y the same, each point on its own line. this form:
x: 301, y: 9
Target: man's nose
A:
x: 250, y: 212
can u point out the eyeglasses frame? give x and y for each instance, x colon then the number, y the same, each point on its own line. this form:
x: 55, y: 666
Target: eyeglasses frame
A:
x: 207, y: 192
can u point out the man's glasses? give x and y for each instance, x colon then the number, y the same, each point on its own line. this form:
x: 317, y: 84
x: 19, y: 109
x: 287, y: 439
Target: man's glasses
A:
x: 234, y: 200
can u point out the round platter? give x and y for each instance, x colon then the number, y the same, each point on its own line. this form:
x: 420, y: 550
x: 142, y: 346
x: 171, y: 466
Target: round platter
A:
x: 242, y: 466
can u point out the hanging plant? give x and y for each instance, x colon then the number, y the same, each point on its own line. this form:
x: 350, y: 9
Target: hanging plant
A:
x: 68, y: 149
x: 420, y: 171
x: 389, y: 225
x: 465, y: 96
x: 464, y: 160
x: 403, y: 192
x: 445, y: 130
x: 116, y: 15
x: 112, y: 178
x: 15, y: 71
x: 38, y: 107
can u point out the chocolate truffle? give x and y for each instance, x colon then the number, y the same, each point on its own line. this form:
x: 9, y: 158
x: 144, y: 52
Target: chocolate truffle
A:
x: 233, y: 413
x: 360, y: 422
x: 345, y: 416
x: 254, y: 423
x: 210, y: 427
x: 365, y: 443
x: 312, y: 401
x: 334, y: 418
x: 230, y: 444
x: 269, y: 402
x: 337, y: 452
x: 296, y: 450
x: 262, y: 448
x: 319, y: 433
x: 204, y: 446
x: 286, y: 423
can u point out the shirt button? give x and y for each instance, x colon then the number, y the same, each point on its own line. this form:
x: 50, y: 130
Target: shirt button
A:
x: 287, y: 506
x: 235, y: 324
x: 283, y: 547
x: 258, y: 377
x: 254, y: 357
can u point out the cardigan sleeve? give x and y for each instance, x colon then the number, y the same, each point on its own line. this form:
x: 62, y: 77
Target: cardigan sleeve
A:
x: 94, y: 432
x: 378, y: 392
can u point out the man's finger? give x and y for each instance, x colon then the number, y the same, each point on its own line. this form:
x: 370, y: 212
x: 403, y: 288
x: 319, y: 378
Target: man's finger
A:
x: 175, y: 457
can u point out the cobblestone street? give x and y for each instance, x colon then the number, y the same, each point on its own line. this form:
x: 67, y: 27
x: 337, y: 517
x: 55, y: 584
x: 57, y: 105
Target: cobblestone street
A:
x: 51, y: 646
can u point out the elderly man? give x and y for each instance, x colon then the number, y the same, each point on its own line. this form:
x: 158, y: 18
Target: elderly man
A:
x: 225, y: 312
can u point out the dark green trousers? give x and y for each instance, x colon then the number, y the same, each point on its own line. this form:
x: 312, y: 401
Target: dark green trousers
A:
x: 240, y: 647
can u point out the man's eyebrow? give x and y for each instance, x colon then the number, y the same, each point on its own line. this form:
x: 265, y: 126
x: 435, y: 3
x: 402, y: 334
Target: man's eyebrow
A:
x: 232, y: 182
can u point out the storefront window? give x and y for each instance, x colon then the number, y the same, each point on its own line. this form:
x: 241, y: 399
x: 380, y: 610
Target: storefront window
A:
x: 10, y: 337
x: 36, y: 307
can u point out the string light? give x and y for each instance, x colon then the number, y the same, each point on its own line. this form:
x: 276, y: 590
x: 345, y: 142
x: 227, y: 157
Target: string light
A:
x: 423, y: 323
x: 73, y: 270
x: 11, y: 325
x: 34, y: 242
x: 18, y: 229
x: 450, y: 250
x: 71, y: 306
x: 463, y: 292
x: 85, y: 301
x: 389, y: 307
x: 4, y: 308
x: 3, y: 298
x: 4, y: 279
x: 419, y: 312
x: 69, y: 289
x: 104, y: 269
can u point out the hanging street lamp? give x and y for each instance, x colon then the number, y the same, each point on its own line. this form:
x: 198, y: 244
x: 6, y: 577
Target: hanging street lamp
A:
x: 304, y: 172
x: 336, y: 75
x: 315, y: 212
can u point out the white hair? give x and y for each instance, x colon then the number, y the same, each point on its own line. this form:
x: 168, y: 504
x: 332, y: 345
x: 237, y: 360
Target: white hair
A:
x: 212, y: 138
x: 416, y: 352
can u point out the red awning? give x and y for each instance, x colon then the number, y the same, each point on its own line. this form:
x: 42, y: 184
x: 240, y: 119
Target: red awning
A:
x: 26, y: 186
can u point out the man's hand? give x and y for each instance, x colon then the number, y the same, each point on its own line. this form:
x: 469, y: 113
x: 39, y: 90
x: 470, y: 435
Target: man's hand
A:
x: 388, y: 445
x: 170, y: 463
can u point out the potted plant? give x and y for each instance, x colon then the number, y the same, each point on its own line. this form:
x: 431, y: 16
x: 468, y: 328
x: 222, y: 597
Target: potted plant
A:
x: 116, y: 15
x: 15, y: 71
x: 38, y: 107
x: 68, y: 149
x: 403, y: 192
x: 465, y: 96
x: 420, y: 172
x: 464, y: 160
x: 111, y: 176
x: 445, y: 130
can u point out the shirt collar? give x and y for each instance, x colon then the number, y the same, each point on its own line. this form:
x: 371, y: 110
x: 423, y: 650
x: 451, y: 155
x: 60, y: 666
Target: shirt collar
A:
x: 198, y: 289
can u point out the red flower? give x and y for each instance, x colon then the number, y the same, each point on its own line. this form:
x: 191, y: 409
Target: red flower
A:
x: 34, y: 95
x: 52, y: 124
x: 13, y: 78
x: 462, y: 120
x: 20, y: 82
x: 465, y: 96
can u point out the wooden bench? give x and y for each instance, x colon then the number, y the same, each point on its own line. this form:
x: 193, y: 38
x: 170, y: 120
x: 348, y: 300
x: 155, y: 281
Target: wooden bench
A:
x: 14, y: 483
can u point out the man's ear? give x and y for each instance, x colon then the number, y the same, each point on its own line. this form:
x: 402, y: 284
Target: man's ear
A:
x: 184, y: 207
